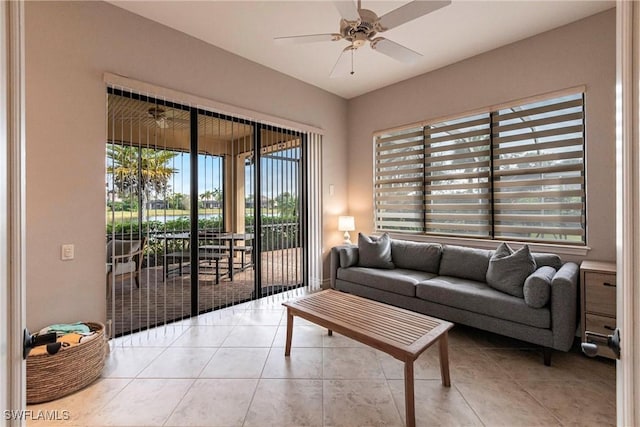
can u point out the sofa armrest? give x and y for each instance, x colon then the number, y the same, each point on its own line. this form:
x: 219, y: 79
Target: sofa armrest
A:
x: 335, y: 260
x: 564, y: 303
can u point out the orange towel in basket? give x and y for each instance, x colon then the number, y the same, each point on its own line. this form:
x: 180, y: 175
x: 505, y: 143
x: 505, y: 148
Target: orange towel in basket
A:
x: 67, y: 340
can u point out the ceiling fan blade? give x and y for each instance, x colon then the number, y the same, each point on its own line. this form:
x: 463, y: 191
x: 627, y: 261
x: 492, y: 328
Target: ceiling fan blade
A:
x: 348, y: 10
x: 310, y: 38
x: 343, y: 65
x: 409, y: 12
x: 395, y: 50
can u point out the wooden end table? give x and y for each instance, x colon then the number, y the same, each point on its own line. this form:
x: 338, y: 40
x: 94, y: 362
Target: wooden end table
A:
x: 400, y: 333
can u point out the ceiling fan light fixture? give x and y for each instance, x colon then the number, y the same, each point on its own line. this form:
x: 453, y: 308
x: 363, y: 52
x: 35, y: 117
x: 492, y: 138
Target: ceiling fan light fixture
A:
x: 359, y: 40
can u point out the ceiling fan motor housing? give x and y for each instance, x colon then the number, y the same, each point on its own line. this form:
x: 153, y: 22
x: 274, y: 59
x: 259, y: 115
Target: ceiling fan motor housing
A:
x: 358, y: 32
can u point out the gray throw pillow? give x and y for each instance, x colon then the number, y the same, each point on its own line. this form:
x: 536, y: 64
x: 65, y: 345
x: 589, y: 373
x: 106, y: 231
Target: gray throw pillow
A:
x: 508, y: 270
x: 537, y: 287
x: 348, y: 257
x: 374, y: 253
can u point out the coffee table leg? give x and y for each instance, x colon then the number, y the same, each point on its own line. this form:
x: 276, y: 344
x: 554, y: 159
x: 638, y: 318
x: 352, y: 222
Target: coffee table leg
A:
x: 409, y: 401
x: 444, y: 359
x: 287, y: 348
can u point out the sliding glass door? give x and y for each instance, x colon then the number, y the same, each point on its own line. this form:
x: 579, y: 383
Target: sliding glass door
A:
x: 204, y: 211
x: 280, y: 184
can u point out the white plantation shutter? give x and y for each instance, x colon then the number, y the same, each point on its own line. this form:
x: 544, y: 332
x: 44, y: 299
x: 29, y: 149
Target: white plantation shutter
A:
x: 538, y: 168
x: 399, y: 181
x: 457, y: 177
x: 516, y: 173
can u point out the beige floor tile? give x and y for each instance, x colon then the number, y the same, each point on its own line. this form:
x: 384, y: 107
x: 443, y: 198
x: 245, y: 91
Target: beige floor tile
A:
x: 484, y: 339
x: 575, y: 403
x: 337, y: 340
x: 462, y: 336
x: 236, y: 363
x: 214, y: 402
x: 143, y: 402
x: 179, y: 362
x: 76, y: 409
x: 161, y: 336
x: 504, y: 403
x: 469, y: 364
x: 351, y: 363
x: 203, y: 336
x: 359, y: 403
x: 303, y: 336
x: 218, y: 318
x: 302, y: 363
x: 435, y: 405
x: 527, y: 364
x: 426, y: 366
x: 269, y: 317
x: 597, y: 367
x: 251, y: 336
x: 128, y: 362
x: 286, y: 402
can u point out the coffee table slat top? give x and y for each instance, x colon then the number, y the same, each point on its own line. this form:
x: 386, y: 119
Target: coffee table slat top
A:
x: 406, y: 331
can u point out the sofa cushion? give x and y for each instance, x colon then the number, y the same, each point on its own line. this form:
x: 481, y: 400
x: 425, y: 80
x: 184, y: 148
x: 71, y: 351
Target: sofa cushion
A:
x: 399, y: 281
x: 508, y: 269
x: 478, y: 297
x: 537, y: 287
x: 416, y: 256
x: 548, y: 260
x: 348, y: 256
x: 374, y: 253
x: 466, y: 263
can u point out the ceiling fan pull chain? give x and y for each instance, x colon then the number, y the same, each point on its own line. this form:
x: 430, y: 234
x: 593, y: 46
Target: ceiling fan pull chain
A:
x: 352, y: 72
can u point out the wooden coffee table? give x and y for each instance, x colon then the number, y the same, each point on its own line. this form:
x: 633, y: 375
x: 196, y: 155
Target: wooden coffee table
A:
x: 400, y: 333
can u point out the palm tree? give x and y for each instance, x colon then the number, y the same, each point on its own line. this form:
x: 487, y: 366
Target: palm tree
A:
x: 139, y: 171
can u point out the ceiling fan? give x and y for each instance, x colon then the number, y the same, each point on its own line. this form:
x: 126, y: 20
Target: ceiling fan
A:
x: 162, y: 119
x: 359, y: 26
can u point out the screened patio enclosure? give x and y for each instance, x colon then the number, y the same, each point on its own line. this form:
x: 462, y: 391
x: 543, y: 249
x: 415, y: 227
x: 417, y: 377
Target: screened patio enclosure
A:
x: 214, y: 201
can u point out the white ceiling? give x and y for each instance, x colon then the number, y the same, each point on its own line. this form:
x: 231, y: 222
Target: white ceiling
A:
x: 461, y: 30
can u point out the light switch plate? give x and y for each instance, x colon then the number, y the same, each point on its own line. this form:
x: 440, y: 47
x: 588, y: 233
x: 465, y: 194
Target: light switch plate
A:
x: 67, y: 252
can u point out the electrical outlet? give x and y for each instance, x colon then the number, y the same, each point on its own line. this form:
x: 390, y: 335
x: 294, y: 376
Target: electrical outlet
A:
x: 68, y: 252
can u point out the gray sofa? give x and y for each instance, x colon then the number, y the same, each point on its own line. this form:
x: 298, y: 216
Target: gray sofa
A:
x: 449, y: 282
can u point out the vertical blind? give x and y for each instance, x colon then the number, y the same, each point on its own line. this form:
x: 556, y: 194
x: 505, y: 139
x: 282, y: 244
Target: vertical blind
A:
x: 213, y: 205
x: 514, y: 173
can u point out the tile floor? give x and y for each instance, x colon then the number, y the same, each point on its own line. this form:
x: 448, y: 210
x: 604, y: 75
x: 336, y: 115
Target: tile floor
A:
x: 227, y: 368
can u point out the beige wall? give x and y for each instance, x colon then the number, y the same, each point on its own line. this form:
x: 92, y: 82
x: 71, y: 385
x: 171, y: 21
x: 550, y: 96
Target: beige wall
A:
x: 582, y: 53
x: 68, y: 48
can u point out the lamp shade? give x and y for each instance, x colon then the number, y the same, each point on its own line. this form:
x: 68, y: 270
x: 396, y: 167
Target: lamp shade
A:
x: 346, y: 223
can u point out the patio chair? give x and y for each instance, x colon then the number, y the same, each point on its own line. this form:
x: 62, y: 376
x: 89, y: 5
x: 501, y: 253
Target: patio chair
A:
x: 124, y: 260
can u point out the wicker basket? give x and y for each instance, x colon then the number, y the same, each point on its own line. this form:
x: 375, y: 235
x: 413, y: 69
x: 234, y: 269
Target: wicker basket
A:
x: 53, y: 376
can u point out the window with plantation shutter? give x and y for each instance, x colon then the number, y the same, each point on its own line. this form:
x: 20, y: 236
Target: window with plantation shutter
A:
x: 538, y: 169
x: 457, y: 177
x: 513, y: 173
x: 399, y: 181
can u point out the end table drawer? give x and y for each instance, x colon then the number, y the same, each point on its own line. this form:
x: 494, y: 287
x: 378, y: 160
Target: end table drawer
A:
x: 600, y: 324
x: 600, y: 290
